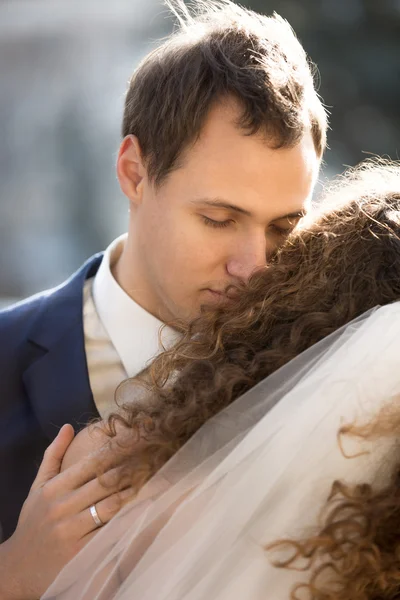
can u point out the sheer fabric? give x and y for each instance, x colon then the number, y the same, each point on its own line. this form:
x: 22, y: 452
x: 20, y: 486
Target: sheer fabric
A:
x: 259, y: 471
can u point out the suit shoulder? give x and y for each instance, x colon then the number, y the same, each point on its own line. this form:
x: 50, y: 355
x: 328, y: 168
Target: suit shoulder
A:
x: 21, y: 312
x: 15, y: 323
x: 21, y: 315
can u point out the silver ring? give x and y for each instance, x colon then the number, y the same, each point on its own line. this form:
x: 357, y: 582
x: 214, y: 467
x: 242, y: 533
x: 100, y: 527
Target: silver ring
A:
x: 96, y: 518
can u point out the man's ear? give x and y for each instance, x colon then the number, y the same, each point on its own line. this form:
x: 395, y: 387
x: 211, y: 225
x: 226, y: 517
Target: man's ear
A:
x: 131, y: 170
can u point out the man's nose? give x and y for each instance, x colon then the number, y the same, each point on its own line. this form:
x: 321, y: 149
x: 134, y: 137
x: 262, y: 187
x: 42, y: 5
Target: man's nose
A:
x: 247, y: 258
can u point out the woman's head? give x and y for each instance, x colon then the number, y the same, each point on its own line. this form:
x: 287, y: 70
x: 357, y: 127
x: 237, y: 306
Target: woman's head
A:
x: 342, y: 261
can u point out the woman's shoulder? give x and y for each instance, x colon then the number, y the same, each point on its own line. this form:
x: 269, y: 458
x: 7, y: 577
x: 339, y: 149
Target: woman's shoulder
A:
x: 92, y: 438
x: 88, y: 440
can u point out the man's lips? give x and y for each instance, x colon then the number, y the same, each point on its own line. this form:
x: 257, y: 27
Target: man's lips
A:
x: 228, y: 294
x: 217, y: 294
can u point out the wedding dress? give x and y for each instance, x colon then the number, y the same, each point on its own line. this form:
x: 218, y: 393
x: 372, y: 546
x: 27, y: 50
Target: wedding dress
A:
x: 259, y: 471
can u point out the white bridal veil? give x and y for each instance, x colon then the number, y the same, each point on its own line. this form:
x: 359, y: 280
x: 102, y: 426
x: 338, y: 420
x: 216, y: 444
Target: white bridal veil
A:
x: 259, y: 471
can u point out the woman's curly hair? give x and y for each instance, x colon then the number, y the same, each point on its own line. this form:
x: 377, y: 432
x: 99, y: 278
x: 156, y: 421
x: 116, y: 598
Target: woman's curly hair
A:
x: 341, y: 261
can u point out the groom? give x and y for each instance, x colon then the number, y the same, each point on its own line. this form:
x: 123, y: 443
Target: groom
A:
x: 223, y: 134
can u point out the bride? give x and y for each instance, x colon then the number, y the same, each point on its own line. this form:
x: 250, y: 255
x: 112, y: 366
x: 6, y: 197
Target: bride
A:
x: 263, y: 455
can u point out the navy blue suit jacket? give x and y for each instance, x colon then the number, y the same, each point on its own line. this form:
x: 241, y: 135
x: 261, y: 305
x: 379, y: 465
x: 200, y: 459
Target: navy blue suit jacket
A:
x: 44, y: 383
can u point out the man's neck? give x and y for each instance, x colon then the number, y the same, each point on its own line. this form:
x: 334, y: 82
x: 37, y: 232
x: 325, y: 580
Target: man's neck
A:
x: 129, y: 275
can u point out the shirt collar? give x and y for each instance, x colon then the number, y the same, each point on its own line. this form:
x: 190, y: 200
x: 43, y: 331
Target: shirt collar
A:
x: 134, y: 332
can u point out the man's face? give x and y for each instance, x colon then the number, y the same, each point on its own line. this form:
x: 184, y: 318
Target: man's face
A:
x: 216, y: 218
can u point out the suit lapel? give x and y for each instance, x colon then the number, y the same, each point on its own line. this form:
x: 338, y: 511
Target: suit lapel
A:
x: 57, y: 382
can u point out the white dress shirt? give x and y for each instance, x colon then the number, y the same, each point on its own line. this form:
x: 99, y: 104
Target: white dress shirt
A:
x: 121, y: 337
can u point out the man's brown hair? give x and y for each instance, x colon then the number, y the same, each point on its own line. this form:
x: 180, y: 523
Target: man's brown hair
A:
x: 220, y: 51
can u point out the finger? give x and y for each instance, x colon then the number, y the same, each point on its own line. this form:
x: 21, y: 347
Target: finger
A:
x: 106, y: 510
x: 110, y: 506
x: 95, y: 490
x: 83, y: 523
x: 88, y: 468
x: 53, y: 456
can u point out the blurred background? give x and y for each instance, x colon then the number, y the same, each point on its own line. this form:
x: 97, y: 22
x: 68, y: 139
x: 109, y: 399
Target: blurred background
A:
x: 64, y: 70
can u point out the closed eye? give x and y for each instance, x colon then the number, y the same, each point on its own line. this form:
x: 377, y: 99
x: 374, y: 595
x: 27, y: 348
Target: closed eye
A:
x: 217, y: 224
x: 284, y: 231
x: 281, y: 230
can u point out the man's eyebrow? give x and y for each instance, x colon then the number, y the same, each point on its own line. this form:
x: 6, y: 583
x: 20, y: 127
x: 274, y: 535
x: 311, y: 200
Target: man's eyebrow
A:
x: 221, y: 203
x: 294, y: 215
